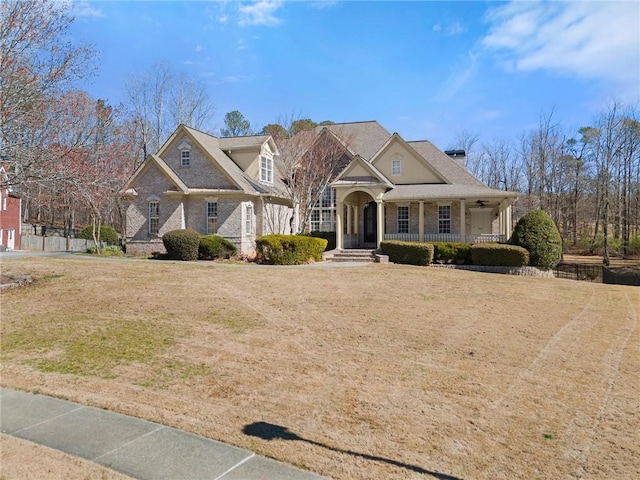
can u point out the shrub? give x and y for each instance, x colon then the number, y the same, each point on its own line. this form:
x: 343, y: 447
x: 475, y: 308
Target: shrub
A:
x: 451, y: 252
x: 289, y: 249
x: 182, y: 244
x: 410, y: 253
x: 497, y: 254
x: 538, y: 233
x: 108, y: 234
x: 330, y: 237
x: 215, y: 246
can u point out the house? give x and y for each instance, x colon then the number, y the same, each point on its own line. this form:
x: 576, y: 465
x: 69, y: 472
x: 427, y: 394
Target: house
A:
x: 10, y: 214
x: 389, y: 189
x: 393, y: 189
x: 224, y: 186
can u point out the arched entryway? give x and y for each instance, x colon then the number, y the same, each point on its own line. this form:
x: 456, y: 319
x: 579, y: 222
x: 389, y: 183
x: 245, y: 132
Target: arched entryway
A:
x: 358, y: 218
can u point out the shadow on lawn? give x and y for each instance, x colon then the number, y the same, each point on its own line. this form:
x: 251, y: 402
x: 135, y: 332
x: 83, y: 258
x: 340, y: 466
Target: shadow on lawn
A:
x: 268, y: 431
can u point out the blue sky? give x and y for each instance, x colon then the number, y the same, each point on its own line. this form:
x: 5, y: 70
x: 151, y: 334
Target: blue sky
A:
x: 424, y: 69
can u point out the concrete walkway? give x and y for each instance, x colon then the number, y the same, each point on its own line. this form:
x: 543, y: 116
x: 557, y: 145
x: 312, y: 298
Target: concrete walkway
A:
x: 135, y: 447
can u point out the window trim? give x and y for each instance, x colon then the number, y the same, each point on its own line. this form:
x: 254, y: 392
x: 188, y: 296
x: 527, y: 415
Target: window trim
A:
x: 266, y: 169
x: 187, y: 158
x: 402, y: 225
x: 248, y: 221
x: 444, y: 221
x: 211, y: 218
x: 153, y: 217
x: 396, y: 162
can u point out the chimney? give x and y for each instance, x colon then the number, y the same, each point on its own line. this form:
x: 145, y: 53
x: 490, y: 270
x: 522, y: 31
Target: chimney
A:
x: 459, y: 156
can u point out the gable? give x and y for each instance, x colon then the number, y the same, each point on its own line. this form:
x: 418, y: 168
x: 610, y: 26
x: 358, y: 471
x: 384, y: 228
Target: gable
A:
x: 413, y: 168
x: 202, y: 172
x: 360, y: 171
x: 153, y: 180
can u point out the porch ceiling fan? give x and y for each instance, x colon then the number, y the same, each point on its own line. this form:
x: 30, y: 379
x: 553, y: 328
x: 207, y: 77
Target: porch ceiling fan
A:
x: 481, y: 203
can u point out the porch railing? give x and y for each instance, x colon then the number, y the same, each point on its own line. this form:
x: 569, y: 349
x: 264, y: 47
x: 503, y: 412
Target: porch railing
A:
x: 445, y: 237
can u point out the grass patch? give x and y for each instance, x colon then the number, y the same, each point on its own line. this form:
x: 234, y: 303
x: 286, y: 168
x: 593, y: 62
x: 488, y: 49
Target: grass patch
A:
x: 88, y: 347
x: 237, y: 321
x: 168, y: 372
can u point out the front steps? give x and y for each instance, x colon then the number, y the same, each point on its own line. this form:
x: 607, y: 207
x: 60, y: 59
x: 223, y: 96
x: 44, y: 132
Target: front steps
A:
x: 351, y: 255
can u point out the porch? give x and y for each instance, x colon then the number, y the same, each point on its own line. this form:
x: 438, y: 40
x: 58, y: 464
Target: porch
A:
x: 447, y: 237
x: 366, y: 222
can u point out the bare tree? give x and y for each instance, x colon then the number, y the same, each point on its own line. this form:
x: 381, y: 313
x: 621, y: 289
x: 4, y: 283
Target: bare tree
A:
x: 465, y: 140
x: 36, y: 63
x: 160, y: 100
x: 309, y: 160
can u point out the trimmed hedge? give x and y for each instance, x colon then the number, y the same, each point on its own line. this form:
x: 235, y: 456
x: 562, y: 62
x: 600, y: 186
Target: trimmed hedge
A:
x: 108, y: 234
x: 289, y: 249
x: 410, y: 253
x: 538, y: 233
x: 330, y: 237
x: 215, y: 246
x: 452, y: 252
x: 182, y: 244
x: 499, y: 255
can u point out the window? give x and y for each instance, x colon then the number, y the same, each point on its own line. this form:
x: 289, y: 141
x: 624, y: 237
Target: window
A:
x: 248, y: 222
x: 403, y: 219
x: 444, y: 219
x: 323, y: 214
x: 266, y: 169
x: 154, y: 217
x: 212, y: 217
x: 396, y: 167
x: 185, y: 158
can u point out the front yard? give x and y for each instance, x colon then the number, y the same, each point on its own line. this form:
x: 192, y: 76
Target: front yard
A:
x: 372, y: 372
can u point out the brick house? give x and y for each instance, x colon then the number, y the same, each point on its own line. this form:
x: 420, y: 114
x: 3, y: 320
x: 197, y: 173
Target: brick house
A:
x: 224, y: 186
x: 390, y: 189
x: 10, y: 215
x: 393, y: 189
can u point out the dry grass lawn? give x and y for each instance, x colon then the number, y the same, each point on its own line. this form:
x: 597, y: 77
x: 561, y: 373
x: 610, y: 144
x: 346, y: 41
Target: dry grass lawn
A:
x: 375, y: 372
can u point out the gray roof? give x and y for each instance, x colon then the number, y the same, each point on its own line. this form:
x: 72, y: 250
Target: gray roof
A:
x: 362, y: 138
x: 444, y: 192
x: 229, y: 143
x: 451, y: 170
x: 212, y: 145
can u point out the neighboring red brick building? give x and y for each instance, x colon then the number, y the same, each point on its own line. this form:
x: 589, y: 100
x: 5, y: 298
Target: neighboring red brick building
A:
x: 10, y: 216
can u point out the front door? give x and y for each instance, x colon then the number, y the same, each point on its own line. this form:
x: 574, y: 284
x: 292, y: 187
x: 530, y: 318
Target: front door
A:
x: 11, y: 241
x: 481, y: 222
x: 371, y: 222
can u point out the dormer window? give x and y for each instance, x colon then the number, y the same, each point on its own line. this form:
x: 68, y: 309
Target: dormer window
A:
x: 396, y: 167
x: 266, y: 170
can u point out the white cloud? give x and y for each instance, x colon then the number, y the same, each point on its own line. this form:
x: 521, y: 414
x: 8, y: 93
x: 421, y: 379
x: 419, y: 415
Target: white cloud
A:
x: 455, y: 28
x: 261, y: 12
x: 84, y: 9
x: 223, y: 19
x: 583, y: 39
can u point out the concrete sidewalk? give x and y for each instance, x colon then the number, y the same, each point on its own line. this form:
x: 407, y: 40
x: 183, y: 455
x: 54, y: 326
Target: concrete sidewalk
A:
x: 135, y: 447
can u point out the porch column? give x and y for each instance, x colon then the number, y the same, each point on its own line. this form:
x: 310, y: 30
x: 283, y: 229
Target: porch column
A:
x: 349, y: 224
x: 339, y: 229
x: 421, y: 221
x: 355, y: 220
x: 509, y: 222
x: 463, y: 221
x: 380, y: 222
